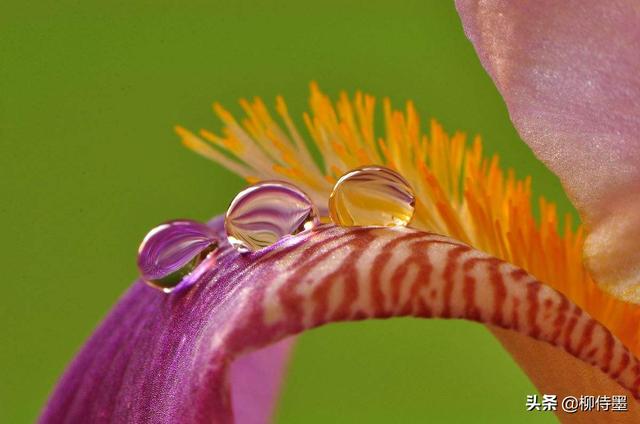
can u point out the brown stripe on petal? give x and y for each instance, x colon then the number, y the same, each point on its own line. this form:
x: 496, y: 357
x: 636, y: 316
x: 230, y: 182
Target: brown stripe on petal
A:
x: 624, y: 362
x: 451, y: 267
x: 568, y: 331
x: 561, y: 318
x: 515, y: 320
x: 469, y: 290
x: 499, y: 292
x: 416, y: 302
x: 608, y: 352
x: 533, y: 307
x: 586, y: 337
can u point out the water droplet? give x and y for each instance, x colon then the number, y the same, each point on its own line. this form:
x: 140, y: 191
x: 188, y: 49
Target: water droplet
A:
x: 171, y: 251
x: 265, y: 212
x: 372, y: 196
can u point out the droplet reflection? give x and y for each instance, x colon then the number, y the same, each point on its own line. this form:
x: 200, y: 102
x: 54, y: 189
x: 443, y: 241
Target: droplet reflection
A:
x: 372, y: 196
x: 265, y: 212
x: 170, y: 252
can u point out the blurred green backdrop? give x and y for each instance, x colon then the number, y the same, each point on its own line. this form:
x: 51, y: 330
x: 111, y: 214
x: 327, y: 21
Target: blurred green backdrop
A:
x: 89, y: 92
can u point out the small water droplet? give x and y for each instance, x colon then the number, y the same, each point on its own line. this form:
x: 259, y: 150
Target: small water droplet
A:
x: 265, y: 212
x: 372, y: 196
x: 171, y: 251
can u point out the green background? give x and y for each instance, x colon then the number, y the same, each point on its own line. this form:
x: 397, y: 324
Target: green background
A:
x: 89, y: 93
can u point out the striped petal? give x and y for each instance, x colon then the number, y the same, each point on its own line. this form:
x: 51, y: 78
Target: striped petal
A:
x: 167, y: 359
x: 569, y: 72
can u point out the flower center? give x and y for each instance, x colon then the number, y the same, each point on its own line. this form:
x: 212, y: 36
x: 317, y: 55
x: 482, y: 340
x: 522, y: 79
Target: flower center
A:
x: 459, y: 192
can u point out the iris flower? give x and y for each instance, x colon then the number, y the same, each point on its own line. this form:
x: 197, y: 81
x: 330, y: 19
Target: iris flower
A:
x: 569, y: 72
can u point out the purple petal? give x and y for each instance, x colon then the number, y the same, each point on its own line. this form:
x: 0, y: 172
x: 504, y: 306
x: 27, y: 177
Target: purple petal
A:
x: 255, y: 380
x: 569, y: 72
x: 166, y: 358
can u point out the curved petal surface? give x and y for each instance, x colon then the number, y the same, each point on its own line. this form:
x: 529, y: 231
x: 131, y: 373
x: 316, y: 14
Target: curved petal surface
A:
x: 569, y: 72
x: 166, y: 358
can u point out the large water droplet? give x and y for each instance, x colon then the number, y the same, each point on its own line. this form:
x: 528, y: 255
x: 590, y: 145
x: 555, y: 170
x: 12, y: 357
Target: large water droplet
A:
x: 170, y: 252
x: 265, y: 212
x: 372, y: 196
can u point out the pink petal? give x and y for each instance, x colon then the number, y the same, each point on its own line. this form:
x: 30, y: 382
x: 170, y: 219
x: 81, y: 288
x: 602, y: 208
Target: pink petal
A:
x: 255, y: 380
x: 569, y: 72
x: 167, y: 358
